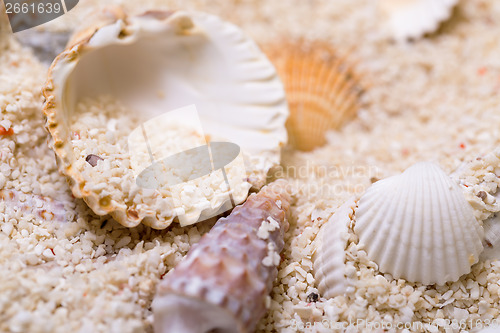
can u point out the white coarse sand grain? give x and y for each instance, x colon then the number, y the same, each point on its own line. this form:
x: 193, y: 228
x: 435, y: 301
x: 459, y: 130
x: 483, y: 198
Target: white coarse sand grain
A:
x: 435, y: 99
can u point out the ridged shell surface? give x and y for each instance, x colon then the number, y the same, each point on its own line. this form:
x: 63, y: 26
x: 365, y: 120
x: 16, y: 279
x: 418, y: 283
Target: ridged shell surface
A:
x: 223, y: 282
x: 322, y: 90
x: 329, y: 257
x: 419, y: 226
x: 413, y: 18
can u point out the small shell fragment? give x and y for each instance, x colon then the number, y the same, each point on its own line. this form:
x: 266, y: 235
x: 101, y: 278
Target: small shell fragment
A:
x: 6, y: 132
x: 322, y: 90
x: 411, y: 19
x: 312, y: 298
x: 222, y: 284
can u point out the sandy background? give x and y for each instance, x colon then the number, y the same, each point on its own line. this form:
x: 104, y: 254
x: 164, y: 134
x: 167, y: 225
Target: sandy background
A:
x: 434, y: 99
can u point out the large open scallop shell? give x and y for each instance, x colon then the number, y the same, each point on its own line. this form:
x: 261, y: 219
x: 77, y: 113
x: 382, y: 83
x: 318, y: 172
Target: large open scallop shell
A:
x: 411, y: 19
x: 158, y: 62
x: 322, y: 90
x: 329, y: 256
x: 419, y: 226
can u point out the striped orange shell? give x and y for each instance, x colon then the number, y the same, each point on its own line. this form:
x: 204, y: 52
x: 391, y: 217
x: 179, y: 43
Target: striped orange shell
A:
x: 322, y: 90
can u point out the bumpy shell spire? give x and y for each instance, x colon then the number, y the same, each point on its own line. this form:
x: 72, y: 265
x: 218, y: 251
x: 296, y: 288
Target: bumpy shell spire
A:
x: 223, y: 282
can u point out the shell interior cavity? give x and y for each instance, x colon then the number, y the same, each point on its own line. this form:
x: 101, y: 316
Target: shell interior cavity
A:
x: 126, y: 77
x: 419, y: 226
x: 413, y: 18
x: 329, y: 257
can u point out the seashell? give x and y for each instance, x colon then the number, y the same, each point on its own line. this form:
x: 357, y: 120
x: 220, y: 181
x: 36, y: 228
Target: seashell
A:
x: 411, y: 19
x: 185, y: 58
x: 329, y: 256
x: 222, y: 283
x: 106, y: 16
x: 491, y: 240
x: 5, y: 30
x: 419, y: 226
x: 42, y: 207
x: 323, y: 90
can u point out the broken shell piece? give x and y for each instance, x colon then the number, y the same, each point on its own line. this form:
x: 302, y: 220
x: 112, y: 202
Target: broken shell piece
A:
x: 418, y: 226
x: 41, y: 207
x: 322, y: 90
x: 223, y: 282
x: 186, y: 58
x: 411, y: 19
x: 329, y: 256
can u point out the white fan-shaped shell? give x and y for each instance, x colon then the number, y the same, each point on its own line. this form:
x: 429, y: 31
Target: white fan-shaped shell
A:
x: 329, y: 257
x: 418, y: 226
x: 414, y: 18
x: 162, y: 61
